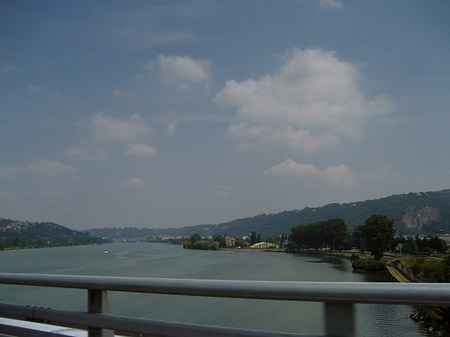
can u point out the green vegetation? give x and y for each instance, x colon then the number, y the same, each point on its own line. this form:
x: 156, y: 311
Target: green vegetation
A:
x: 253, y: 238
x: 431, y: 269
x: 368, y: 265
x: 429, y: 210
x: 24, y: 234
x: 421, y: 246
x: 200, y: 244
x: 331, y: 233
x: 436, y: 319
x: 196, y: 242
x: 221, y: 240
x: 376, y: 235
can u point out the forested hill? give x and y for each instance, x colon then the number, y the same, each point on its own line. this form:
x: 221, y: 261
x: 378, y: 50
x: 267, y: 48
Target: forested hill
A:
x: 25, y: 234
x: 425, y: 212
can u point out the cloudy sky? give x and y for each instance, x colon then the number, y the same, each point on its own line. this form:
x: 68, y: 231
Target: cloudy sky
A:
x: 175, y: 113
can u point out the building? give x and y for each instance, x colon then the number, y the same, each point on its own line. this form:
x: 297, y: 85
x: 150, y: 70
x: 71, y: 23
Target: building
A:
x: 230, y: 241
x: 263, y: 245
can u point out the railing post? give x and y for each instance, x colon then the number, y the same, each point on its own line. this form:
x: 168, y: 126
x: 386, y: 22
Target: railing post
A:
x: 98, y: 303
x: 339, y: 321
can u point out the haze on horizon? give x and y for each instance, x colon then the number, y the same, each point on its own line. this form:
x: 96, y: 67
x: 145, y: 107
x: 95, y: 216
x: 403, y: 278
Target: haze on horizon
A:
x: 169, y: 114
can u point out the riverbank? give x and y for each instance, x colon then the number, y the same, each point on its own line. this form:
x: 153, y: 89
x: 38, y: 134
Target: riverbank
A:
x: 435, y: 319
x: 273, y: 250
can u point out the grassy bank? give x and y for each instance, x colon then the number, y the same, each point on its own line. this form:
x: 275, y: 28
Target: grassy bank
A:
x: 369, y: 265
x: 435, y: 319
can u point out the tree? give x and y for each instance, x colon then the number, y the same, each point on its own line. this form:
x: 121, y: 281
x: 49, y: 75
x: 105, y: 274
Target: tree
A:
x: 253, y: 238
x: 377, y: 233
x: 240, y: 242
x: 410, y: 247
x: 437, y: 244
x: 195, y: 237
x: 330, y: 233
x: 258, y: 238
x: 221, y: 239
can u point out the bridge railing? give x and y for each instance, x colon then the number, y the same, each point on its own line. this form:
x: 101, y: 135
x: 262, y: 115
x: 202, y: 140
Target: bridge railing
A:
x: 338, y: 298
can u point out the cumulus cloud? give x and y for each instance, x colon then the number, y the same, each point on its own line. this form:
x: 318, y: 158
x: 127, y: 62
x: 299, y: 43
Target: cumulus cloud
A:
x: 133, y: 183
x: 311, y: 102
x: 36, y: 89
x: 181, y: 71
x: 8, y: 67
x: 330, y: 4
x: 339, y: 176
x: 141, y: 150
x: 222, y: 190
x: 171, y: 128
x: 147, y: 26
x: 41, y: 167
x: 80, y: 153
x: 41, y: 91
x: 290, y: 167
x: 333, y: 175
x: 48, y: 167
x: 120, y: 93
x: 108, y: 128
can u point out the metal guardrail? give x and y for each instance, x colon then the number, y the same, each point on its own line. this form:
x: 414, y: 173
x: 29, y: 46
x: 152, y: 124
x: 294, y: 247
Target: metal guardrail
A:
x: 338, y: 299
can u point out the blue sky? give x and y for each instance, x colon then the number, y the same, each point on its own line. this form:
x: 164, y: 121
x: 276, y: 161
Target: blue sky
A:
x: 175, y: 113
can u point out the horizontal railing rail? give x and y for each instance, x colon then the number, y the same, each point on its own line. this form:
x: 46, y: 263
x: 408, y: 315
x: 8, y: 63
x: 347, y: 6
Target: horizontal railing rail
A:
x: 338, y: 297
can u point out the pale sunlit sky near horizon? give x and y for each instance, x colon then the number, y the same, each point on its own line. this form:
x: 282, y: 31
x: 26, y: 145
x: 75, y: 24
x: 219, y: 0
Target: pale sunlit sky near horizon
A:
x: 176, y: 113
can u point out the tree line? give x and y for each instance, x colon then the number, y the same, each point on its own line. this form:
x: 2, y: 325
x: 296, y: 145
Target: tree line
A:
x: 24, y: 242
x: 377, y: 235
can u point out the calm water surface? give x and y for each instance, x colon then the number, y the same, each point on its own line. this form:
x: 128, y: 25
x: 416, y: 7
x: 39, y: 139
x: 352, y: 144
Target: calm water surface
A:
x: 163, y: 260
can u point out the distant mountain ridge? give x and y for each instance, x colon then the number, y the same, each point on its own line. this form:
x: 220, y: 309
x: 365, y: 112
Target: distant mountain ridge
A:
x: 423, y: 212
x: 27, y: 234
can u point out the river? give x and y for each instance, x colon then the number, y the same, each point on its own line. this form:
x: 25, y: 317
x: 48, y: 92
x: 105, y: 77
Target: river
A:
x: 164, y: 260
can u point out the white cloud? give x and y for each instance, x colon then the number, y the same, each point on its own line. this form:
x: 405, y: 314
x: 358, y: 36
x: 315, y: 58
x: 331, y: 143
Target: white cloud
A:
x: 147, y: 26
x: 222, y: 190
x: 339, y: 176
x: 312, y: 102
x: 330, y: 4
x: 80, y: 153
x: 141, y: 150
x: 182, y: 71
x: 171, y: 128
x: 135, y: 38
x: 36, y: 89
x: 109, y: 128
x: 41, y: 91
x: 290, y: 167
x: 120, y: 93
x: 133, y: 183
x: 8, y: 67
x: 333, y: 175
x: 41, y: 167
x: 222, y: 193
x: 48, y: 167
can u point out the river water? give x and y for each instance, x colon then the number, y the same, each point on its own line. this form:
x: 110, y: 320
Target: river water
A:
x: 164, y: 260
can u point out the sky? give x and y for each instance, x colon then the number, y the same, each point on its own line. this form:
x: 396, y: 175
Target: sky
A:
x: 176, y: 113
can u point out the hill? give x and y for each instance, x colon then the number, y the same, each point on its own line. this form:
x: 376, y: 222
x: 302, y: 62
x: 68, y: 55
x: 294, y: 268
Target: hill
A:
x: 413, y: 213
x: 26, y: 234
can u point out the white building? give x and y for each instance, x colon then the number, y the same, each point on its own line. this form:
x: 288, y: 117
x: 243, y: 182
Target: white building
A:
x: 263, y: 245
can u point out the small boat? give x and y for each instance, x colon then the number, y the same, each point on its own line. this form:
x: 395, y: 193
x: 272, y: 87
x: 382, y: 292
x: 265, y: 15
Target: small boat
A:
x: 106, y: 251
